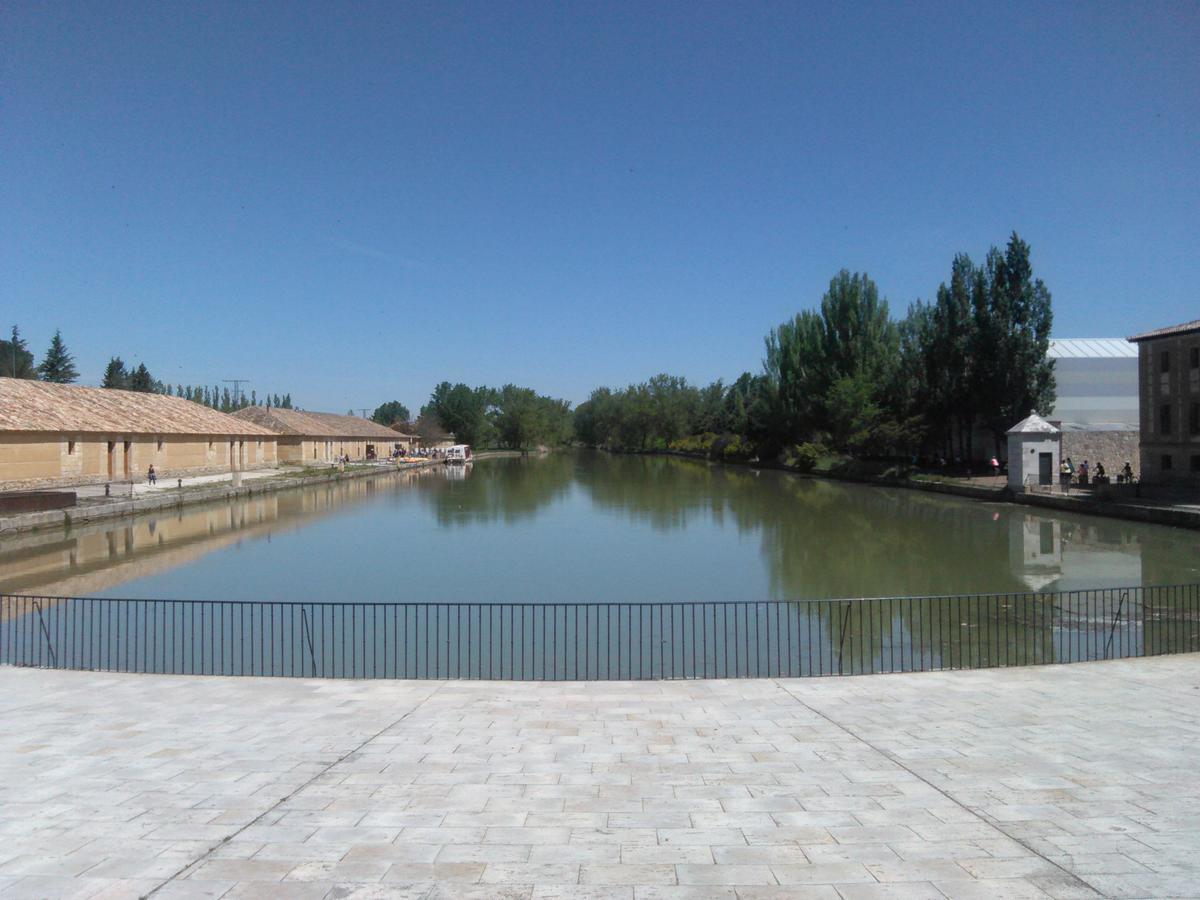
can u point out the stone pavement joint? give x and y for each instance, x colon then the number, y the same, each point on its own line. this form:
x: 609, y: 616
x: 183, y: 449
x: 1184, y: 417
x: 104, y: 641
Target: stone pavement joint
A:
x: 282, y: 800
x: 1069, y: 876
x: 1057, y: 781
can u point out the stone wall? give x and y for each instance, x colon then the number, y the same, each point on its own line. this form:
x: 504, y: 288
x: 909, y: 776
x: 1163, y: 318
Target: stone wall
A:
x: 53, y: 460
x: 1113, y: 448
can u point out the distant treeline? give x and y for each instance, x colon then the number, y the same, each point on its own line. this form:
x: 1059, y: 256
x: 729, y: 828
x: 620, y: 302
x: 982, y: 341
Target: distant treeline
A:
x: 58, y: 366
x: 850, y: 378
x: 511, y: 417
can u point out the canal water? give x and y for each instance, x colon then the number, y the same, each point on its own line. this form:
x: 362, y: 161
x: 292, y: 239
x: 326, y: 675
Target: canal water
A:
x: 593, y: 527
x: 587, y: 565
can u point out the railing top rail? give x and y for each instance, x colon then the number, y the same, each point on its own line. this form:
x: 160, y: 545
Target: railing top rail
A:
x: 1048, y: 595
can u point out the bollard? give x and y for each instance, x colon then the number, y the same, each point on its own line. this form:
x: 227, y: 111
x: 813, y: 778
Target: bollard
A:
x: 107, y: 490
x: 180, y: 484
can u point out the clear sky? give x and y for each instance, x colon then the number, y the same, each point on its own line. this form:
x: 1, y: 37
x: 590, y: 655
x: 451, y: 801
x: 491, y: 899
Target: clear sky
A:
x: 352, y: 202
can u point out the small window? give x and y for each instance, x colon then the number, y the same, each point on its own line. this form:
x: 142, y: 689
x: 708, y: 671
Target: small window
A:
x: 1196, y: 357
x: 1164, y: 419
x: 70, y: 448
x: 1164, y: 361
x: 1165, y: 463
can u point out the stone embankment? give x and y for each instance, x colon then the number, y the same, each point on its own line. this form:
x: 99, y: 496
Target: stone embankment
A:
x: 210, y: 492
x: 1137, y: 509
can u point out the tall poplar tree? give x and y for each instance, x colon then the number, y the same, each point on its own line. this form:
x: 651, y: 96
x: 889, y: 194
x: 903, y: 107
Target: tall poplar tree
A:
x: 1012, y: 316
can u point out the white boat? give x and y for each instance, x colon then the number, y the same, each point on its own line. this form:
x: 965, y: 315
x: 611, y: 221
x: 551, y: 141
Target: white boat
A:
x: 458, y: 455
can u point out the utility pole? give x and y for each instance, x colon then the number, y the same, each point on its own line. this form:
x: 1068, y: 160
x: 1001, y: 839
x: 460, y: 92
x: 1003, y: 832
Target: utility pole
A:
x: 237, y: 387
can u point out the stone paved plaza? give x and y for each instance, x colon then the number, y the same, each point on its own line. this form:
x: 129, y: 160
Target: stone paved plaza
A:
x: 1067, y: 781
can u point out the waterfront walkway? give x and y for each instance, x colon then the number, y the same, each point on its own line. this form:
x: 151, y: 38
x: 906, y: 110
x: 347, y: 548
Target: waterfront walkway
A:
x: 1062, y: 781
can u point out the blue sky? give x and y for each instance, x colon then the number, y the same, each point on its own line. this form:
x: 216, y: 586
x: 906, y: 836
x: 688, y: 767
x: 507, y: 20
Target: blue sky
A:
x: 352, y: 202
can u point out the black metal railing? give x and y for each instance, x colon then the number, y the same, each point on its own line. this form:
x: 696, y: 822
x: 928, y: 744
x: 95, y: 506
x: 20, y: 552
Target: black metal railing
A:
x: 597, y: 641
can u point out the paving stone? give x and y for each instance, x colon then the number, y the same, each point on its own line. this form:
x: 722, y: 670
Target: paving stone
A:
x: 874, y: 786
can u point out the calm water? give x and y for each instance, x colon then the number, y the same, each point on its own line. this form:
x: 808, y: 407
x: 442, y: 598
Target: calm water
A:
x: 594, y: 527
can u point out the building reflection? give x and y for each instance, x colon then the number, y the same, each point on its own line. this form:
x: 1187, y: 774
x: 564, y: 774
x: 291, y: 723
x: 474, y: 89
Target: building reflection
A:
x: 94, y: 557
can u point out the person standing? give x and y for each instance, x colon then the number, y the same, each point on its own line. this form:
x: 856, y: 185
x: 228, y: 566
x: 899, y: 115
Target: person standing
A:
x: 151, y: 475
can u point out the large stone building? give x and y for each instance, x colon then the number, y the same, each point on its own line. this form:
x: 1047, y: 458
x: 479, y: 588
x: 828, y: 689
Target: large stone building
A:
x: 316, y: 437
x: 61, y: 434
x: 1169, y: 391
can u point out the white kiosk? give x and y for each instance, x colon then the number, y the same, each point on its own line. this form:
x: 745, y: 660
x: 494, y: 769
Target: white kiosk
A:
x: 1034, y: 446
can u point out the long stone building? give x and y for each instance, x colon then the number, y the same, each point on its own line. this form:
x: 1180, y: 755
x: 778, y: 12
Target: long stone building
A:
x: 308, y: 437
x: 61, y: 434
x: 1169, y: 389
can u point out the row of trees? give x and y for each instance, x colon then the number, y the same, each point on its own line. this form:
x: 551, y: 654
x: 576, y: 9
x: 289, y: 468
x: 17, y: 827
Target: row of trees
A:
x: 58, y: 365
x: 17, y: 362
x: 850, y: 377
x: 118, y: 377
x: 511, y: 416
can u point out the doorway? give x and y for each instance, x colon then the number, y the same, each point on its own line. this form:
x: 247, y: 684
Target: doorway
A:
x: 1045, y: 468
x: 112, y: 449
x: 128, y: 461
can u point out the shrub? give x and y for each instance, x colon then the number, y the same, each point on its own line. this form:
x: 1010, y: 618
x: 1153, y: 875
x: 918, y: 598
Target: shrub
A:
x: 737, y: 448
x: 806, y: 456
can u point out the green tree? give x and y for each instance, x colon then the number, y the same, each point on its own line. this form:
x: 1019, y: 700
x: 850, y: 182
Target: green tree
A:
x: 462, y: 411
x: 141, y: 380
x: 15, y: 359
x: 58, y: 365
x: 116, y: 376
x: 852, y: 344
x: 1012, y: 316
x: 390, y: 413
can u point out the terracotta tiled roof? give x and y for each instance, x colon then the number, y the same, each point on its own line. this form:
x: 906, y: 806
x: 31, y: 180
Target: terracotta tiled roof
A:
x: 303, y: 423
x: 27, y: 405
x: 1170, y: 331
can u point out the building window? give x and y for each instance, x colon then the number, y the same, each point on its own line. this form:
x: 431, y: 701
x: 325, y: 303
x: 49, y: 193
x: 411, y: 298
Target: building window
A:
x: 1164, y: 361
x: 1165, y: 462
x: 1164, y: 419
x: 70, y: 448
x: 1194, y: 419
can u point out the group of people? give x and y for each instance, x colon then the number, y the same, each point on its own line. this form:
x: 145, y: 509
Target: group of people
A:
x: 1086, y: 474
x: 419, y: 452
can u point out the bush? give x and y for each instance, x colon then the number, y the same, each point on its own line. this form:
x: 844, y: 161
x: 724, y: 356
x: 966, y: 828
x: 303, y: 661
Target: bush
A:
x: 737, y: 448
x: 805, y: 456
x: 700, y: 444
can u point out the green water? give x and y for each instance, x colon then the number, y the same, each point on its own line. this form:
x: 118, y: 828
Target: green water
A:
x: 594, y: 527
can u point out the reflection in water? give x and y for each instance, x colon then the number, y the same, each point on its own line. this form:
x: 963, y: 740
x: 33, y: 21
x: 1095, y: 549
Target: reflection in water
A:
x: 596, y: 527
